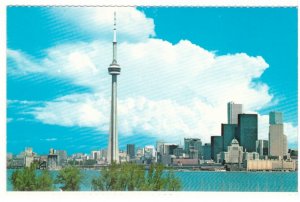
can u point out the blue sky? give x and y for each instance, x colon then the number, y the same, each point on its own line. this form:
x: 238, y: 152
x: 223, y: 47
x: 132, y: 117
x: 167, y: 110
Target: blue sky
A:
x: 180, y: 66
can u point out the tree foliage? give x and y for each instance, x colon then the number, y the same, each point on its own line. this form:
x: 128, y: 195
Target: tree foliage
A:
x: 70, y: 178
x: 133, y: 177
x: 28, y: 180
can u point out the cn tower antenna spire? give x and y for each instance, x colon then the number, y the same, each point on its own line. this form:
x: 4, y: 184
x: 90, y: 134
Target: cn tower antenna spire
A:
x: 115, y: 28
x: 115, y: 40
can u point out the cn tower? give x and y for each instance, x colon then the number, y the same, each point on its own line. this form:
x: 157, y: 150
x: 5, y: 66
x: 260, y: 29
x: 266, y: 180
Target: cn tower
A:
x: 114, y: 70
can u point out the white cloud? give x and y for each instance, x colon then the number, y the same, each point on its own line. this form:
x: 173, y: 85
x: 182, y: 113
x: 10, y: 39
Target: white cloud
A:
x: 98, y: 21
x: 165, y: 90
x: 49, y: 139
x: 162, y: 119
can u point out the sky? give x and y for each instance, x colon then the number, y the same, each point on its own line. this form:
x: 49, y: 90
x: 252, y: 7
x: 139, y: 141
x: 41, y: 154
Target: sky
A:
x: 179, y: 68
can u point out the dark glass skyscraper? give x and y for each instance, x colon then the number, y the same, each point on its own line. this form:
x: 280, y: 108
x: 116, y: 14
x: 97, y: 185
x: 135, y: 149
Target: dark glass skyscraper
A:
x: 206, y: 148
x: 229, y: 132
x: 131, y: 150
x: 247, y: 131
x: 216, y: 146
x: 193, y: 147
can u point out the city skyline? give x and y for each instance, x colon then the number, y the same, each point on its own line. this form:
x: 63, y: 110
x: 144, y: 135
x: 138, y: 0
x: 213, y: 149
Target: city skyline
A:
x: 66, y: 100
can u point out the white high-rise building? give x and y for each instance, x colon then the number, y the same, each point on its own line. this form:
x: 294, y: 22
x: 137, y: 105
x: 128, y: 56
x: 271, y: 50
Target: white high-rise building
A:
x: 232, y: 112
x: 277, y: 139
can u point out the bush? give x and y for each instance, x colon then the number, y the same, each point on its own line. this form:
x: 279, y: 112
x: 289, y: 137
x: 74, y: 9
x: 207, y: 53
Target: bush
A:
x: 133, y: 177
x: 27, y: 180
x: 70, y: 178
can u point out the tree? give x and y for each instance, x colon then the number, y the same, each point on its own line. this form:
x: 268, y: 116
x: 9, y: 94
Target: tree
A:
x: 70, y: 178
x: 133, y: 177
x: 28, y: 180
x: 45, y: 181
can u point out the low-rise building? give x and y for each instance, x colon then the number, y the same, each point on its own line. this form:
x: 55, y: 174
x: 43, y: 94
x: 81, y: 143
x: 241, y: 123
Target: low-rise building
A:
x: 185, y: 162
x: 270, y: 165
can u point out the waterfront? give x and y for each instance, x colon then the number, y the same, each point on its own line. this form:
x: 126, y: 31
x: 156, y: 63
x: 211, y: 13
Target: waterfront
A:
x: 214, y: 181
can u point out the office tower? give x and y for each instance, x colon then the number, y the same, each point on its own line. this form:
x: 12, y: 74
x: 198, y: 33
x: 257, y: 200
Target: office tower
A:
x: 168, y: 148
x: 275, y: 118
x: 262, y: 147
x: 178, y: 151
x: 277, y: 139
x: 131, y: 150
x: 159, y: 146
x: 216, y: 146
x: 193, y: 147
x: 206, y: 148
x: 247, y: 131
x: 229, y: 132
x: 114, y: 70
x: 232, y: 112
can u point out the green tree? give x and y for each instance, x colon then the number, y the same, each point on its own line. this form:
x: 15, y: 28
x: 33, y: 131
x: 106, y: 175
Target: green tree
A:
x: 172, y: 183
x: 133, y: 177
x: 45, y: 181
x: 27, y: 180
x: 70, y: 178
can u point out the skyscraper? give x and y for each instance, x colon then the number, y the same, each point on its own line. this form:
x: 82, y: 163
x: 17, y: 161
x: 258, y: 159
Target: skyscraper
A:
x: 277, y: 139
x: 216, y: 146
x: 229, y: 132
x: 248, y: 131
x: 275, y: 118
x: 262, y: 147
x: 114, y: 70
x: 206, y: 148
x: 232, y: 112
x: 131, y: 150
x: 193, y: 147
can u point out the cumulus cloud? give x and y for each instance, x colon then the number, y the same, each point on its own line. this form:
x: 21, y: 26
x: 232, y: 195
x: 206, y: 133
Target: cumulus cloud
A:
x: 166, y: 90
x: 97, y: 21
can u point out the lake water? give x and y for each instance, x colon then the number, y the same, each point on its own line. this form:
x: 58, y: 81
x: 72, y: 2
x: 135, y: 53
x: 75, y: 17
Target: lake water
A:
x: 215, y: 181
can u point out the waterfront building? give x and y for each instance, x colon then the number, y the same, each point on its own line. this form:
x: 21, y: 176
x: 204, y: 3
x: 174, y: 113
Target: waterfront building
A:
x: 28, y: 156
x: 206, y: 148
x: 248, y: 131
x: 52, y: 161
x: 262, y: 148
x: 293, y: 153
x: 103, y: 154
x: 229, y: 132
x: 131, y: 150
x: 193, y: 148
x: 123, y: 156
x: 234, y: 153
x: 166, y: 159
x: 95, y: 155
x: 216, y: 147
x: 114, y: 70
x: 269, y: 165
x: 275, y: 118
x: 232, y: 112
x: 185, y: 162
x: 250, y: 156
